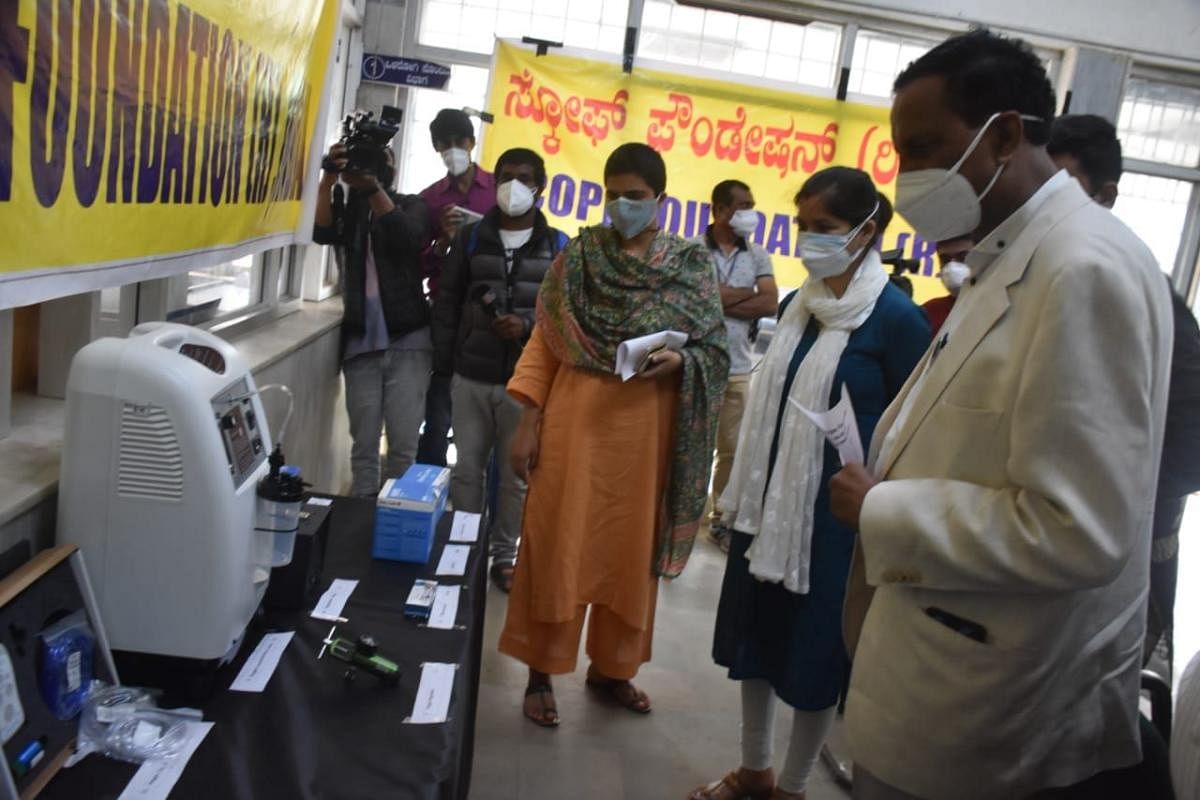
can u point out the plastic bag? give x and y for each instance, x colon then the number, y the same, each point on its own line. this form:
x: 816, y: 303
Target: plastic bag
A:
x: 125, y: 723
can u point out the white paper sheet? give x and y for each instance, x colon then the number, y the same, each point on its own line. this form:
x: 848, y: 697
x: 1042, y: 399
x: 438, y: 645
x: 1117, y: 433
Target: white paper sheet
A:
x: 261, y: 664
x: 319, y: 501
x: 466, y: 527
x: 433, y: 695
x: 155, y: 779
x: 329, y: 607
x: 839, y: 426
x: 630, y: 351
x: 454, y: 560
x: 445, y: 607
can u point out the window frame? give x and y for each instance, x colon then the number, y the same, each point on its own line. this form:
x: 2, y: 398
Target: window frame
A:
x: 1185, y: 272
x: 413, y: 47
x: 665, y: 64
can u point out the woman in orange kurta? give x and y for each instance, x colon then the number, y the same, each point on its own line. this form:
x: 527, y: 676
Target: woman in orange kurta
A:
x: 617, y: 470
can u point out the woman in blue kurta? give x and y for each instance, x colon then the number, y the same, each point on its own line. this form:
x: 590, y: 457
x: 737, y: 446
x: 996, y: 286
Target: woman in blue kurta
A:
x: 779, y: 620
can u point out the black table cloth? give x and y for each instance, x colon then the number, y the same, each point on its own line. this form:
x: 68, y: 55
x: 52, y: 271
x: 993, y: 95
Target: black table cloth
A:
x: 312, y: 733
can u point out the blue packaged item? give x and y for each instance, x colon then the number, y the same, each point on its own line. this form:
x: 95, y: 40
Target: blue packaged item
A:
x: 66, y: 665
x: 420, y: 600
x: 407, y: 513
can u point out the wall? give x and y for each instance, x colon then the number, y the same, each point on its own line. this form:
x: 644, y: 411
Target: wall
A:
x: 319, y: 440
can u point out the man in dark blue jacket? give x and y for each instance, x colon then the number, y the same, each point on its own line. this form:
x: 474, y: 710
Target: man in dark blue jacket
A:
x: 483, y: 315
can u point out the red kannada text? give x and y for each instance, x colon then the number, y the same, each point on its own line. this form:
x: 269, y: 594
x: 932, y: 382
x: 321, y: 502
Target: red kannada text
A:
x: 592, y: 117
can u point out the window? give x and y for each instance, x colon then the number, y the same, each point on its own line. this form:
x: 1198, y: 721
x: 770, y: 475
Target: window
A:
x: 1158, y: 128
x: 762, y: 48
x: 879, y: 58
x: 473, y: 25
x: 1156, y: 209
x: 1161, y: 122
x: 287, y: 274
x: 202, y: 295
x: 419, y: 164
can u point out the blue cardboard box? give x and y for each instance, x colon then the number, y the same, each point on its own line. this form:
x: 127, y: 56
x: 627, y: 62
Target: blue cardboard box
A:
x: 407, y: 513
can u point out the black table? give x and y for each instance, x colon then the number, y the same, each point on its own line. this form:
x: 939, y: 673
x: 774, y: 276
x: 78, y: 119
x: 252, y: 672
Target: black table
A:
x: 311, y: 733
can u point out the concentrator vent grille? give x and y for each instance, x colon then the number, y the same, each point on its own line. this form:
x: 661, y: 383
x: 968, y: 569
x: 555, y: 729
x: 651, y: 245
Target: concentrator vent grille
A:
x: 151, y: 465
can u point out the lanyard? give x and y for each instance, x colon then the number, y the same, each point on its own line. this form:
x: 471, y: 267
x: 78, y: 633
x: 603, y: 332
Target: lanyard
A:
x: 731, y: 261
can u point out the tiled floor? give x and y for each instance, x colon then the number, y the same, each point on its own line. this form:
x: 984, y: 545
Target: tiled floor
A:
x: 605, y: 753
x: 692, y: 736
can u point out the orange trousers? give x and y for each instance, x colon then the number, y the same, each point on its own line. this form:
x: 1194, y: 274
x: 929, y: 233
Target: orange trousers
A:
x: 616, y: 649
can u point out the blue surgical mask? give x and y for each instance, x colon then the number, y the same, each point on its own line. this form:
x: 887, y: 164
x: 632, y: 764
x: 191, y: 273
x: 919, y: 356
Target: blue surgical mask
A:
x: 631, y: 217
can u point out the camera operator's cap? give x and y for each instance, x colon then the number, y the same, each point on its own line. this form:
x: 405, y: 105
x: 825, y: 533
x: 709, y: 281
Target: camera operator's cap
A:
x: 449, y: 125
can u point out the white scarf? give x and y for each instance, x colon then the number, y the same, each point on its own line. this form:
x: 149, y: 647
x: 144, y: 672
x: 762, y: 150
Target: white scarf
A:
x: 781, y: 519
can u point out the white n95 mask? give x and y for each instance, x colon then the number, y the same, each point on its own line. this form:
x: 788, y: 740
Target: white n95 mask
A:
x: 514, y: 198
x: 941, y: 204
x: 954, y: 274
x: 824, y: 255
x: 744, y: 222
x: 457, y: 160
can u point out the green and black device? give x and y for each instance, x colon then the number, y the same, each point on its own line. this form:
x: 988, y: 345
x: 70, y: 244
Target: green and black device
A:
x: 362, y: 653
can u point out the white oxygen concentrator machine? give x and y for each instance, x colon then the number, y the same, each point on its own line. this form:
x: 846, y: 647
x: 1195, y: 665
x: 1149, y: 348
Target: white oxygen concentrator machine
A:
x: 164, y: 445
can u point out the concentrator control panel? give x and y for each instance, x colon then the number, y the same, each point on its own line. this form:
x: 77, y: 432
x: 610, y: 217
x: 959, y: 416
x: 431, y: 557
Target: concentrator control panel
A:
x: 241, y: 430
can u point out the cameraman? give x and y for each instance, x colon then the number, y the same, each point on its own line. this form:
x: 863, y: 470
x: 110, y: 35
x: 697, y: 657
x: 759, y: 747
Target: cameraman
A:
x: 387, y: 352
x: 482, y: 317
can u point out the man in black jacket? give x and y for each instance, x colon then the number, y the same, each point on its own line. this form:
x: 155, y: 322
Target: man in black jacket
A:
x: 482, y: 317
x: 1086, y: 146
x: 387, y: 351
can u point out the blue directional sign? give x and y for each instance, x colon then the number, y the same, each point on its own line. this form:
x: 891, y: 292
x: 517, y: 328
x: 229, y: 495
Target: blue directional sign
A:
x: 404, y: 71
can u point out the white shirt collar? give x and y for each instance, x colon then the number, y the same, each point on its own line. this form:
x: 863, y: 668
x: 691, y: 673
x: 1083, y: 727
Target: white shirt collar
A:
x: 1000, y: 239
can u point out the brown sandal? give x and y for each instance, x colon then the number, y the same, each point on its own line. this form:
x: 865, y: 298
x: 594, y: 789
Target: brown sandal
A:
x: 548, y: 718
x: 621, y: 692
x: 729, y: 788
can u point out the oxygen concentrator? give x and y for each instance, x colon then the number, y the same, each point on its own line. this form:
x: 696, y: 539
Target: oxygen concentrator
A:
x: 164, y: 445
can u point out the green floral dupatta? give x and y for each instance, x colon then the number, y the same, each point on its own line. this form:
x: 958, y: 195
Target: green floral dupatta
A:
x: 594, y: 297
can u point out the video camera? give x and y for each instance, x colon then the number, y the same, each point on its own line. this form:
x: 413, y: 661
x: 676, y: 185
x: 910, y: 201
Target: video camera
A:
x: 365, y: 139
x: 900, y: 267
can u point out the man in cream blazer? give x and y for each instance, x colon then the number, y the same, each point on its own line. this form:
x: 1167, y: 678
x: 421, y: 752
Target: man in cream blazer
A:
x: 1008, y: 536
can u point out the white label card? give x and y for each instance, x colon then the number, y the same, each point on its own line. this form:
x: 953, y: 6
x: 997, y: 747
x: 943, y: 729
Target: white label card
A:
x: 433, y: 695
x: 445, y: 607
x: 261, y: 664
x: 330, y: 606
x: 74, y: 670
x: 319, y: 501
x: 466, y: 527
x: 454, y: 560
x: 155, y: 778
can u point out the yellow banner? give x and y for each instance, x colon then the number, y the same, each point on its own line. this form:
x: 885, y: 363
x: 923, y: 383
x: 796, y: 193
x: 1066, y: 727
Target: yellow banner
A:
x: 136, y: 130
x: 575, y: 111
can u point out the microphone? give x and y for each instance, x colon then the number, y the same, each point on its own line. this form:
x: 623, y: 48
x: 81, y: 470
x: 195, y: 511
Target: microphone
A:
x: 483, y: 115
